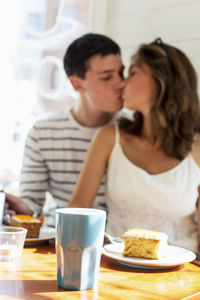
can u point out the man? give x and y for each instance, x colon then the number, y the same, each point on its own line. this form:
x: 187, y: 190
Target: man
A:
x: 55, y: 148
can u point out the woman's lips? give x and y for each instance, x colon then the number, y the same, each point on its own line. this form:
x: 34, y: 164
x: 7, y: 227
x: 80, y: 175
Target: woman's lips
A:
x: 122, y: 97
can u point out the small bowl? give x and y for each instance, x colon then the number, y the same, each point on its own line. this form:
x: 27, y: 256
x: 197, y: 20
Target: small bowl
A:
x: 11, y: 242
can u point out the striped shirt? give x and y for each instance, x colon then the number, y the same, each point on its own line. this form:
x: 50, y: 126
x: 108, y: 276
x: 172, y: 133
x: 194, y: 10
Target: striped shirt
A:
x: 54, y: 153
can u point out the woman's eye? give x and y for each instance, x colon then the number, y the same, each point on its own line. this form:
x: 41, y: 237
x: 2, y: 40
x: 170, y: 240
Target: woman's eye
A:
x: 131, y: 73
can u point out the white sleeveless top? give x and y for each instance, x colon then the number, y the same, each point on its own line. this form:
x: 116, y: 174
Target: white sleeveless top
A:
x: 164, y: 202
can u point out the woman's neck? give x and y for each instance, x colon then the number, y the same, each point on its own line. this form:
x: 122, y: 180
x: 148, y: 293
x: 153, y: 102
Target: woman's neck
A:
x: 146, y: 127
x: 147, y: 132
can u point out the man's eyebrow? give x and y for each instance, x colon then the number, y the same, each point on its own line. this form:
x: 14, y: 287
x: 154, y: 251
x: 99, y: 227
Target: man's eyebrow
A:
x: 105, y: 71
x: 109, y: 71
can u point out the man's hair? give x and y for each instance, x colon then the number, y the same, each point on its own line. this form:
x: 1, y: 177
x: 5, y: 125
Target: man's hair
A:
x: 176, y: 111
x: 76, y: 59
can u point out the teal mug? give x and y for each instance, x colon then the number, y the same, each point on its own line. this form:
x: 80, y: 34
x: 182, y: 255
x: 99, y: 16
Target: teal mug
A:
x: 79, y: 241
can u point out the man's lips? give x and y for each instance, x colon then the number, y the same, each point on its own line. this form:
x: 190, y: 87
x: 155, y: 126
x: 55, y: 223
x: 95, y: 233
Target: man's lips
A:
x: 122, y: 98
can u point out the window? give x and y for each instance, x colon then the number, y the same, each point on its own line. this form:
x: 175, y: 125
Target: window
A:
x: 34, y: 38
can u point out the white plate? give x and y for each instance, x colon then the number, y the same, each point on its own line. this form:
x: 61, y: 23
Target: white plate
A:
x: 46, y: 234
x: 175, y: 256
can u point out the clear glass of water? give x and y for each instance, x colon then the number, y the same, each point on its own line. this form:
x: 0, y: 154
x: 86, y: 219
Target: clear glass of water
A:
x: 11, y: 242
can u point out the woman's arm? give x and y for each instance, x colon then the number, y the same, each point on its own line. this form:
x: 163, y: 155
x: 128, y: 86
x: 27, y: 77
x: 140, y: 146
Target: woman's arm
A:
x: 196, y: 150
x: 196, y: 156
x: 198, y: 214
x: 93, y: 168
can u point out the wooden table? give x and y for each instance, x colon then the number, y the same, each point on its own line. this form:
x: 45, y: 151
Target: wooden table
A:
x: 33, y: 276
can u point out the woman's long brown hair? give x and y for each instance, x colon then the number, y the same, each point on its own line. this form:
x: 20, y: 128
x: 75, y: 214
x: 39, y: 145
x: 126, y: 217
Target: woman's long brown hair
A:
x: 176, y: 112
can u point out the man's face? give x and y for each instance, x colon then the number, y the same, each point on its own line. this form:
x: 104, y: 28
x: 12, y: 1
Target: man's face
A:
x: 103, y: 83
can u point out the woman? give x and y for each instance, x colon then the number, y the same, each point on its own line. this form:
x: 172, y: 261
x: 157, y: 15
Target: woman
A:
x: 153, y: 161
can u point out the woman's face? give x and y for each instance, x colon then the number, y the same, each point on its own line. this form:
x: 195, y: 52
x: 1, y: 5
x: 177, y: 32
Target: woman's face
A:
x: 140, y: 89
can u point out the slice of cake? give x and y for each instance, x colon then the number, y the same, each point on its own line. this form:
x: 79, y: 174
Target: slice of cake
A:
x: 30, y: 223
x: 145, y: 243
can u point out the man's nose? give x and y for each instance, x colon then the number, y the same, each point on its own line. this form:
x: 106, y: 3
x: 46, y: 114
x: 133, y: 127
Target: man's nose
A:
x: 122, y: 83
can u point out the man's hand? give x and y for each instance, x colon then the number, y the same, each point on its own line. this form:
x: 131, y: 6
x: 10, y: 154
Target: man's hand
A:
x: 15, y: 205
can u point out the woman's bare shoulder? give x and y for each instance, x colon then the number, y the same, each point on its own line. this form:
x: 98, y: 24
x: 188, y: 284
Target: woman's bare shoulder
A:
x: 104, y: 139
x: 106, y: 132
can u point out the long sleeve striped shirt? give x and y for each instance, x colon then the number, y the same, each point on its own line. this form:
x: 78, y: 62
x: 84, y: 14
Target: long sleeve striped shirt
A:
x: 54, y: 153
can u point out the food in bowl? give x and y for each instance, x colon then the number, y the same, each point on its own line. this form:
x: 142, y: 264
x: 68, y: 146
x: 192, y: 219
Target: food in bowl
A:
x: 145, y: 243
x: 30, y: 223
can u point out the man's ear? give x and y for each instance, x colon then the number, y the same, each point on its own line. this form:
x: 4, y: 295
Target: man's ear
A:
x: 76, y: 83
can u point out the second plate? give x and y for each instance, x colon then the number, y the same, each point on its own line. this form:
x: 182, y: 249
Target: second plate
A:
x: 175, y: 256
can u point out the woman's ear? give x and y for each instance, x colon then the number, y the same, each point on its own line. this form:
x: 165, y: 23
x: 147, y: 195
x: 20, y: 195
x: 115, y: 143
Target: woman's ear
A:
x: 76, y: 83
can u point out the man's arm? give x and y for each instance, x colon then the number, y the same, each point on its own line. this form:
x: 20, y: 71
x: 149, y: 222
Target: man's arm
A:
x: 93, y: 168
x: 34, y: 174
